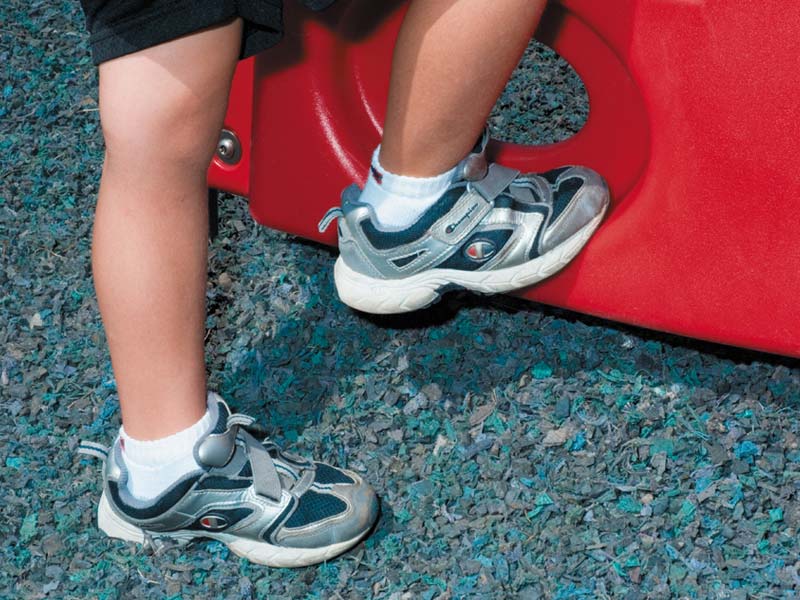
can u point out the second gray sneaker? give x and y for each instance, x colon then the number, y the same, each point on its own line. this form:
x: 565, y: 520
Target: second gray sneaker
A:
x: 264, y: 504
x: 494, y: 230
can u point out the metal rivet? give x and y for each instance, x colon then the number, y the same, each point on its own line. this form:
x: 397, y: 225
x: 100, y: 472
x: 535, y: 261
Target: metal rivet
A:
x: 229, y: 150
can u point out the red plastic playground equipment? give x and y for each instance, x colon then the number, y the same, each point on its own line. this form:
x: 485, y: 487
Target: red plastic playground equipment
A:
x: 694, y: 121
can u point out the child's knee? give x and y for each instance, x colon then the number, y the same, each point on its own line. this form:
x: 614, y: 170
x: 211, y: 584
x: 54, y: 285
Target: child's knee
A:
x: 167, y: 102
x: 175, y: 126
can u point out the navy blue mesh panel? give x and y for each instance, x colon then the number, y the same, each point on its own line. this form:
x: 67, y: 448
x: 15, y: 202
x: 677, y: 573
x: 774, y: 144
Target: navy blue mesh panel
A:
x: 223, y: 483
x: 315, y: 507
x: 327, y: 475
x: 383, y: 240
x: 564, y: 194
x: 246, y: 470
x: 551, y: 176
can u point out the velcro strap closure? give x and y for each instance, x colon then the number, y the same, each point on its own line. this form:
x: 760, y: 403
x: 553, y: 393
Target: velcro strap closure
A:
x: 462, y: 218
x: 266, y: 481
x: 497, y: 179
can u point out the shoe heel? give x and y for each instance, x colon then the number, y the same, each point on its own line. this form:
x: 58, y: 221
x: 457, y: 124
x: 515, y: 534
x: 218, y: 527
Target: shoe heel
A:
x: 113, y: 526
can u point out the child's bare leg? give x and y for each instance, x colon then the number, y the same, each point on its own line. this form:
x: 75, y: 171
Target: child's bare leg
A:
x: 166, y: 474
x: 451, y: 62
x: 161, y: 110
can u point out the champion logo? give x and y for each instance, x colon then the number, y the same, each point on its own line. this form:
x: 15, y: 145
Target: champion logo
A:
x: 214, y: 522
x: 453, y: 226
x: 377, y: 175
x: 480, y: 250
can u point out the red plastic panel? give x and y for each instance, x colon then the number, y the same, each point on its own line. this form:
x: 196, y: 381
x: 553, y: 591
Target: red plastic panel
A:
x: 693, y: 122
x: 235, y: 178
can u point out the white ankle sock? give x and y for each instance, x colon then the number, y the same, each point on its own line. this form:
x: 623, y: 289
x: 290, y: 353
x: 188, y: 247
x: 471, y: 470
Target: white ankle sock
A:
x: 154, y: 465
x: 399, y: 200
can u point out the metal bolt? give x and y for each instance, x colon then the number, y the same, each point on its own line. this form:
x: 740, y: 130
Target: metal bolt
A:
x: 225, y: 148
x: 229, y: 150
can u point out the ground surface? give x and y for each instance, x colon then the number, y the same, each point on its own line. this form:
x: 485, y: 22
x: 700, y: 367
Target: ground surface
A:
x: 519, y: 451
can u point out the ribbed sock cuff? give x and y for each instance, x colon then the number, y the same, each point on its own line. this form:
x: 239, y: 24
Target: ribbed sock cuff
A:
x: 153, y: 454
x: 413, y: 187
x: 399, y: 200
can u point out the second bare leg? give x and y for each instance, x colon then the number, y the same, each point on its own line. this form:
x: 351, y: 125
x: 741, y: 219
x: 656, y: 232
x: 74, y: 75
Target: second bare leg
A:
x: 452, y: 61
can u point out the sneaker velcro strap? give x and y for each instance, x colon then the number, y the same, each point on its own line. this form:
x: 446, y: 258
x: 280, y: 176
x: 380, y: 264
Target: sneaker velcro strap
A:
x: 497, y: 179
x: 265, y: 476
x: 468, y: 211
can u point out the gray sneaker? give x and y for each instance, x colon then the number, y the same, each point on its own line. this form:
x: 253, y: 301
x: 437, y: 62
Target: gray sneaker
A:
x: 494, y: 230
x: 264, y: 504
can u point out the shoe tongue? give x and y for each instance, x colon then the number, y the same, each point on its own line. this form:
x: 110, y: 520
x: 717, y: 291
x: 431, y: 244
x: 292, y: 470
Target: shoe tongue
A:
x: 223, y: 413
x: 475, y: 166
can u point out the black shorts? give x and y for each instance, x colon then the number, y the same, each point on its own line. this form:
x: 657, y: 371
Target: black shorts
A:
x: 119, y: 27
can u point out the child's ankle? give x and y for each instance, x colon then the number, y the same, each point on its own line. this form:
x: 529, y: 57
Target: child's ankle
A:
x: 399, y: 200
x: 154, y: 465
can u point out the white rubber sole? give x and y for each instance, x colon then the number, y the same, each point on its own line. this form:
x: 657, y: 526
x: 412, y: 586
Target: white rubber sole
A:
x: 258, y: 552
x: 392, y: 296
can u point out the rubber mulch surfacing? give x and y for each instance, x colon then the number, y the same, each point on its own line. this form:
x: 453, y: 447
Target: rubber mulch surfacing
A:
x: 519, y: 451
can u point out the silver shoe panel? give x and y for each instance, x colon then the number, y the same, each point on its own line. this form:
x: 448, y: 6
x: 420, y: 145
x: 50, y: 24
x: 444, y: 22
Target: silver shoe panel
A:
x: 589, y: 201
